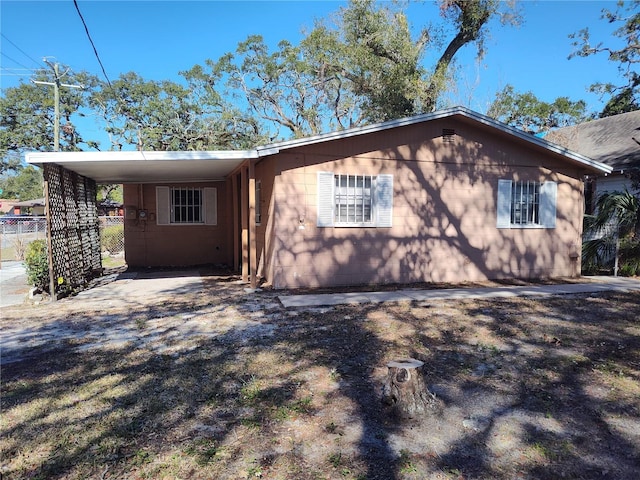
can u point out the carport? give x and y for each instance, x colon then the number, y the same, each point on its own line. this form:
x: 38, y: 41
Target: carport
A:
x: 71, y: 180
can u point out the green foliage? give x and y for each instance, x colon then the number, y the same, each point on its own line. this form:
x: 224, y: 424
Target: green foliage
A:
x: 164, y: 115
x: 359, y: 66
x: 26, y: 184
x: 630, y: 257
x: 620, y: 212
x: 27, y: 114
x: 470, y: 18
x: 621, y: 207
x: 526, y: 112
x: 37, y: 264
x: 369, y: 62
x: 623, y: 101
x: 112, y: 238
x: 10, y: 162
x: 112, y: 192
x: 626, y: 97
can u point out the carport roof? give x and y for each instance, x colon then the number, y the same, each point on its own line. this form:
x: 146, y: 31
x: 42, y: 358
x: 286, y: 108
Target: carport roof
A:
x: 148, y: 166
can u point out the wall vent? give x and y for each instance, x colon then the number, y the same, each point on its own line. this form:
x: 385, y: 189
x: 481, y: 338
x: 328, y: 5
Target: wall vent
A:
x: 448, y: 135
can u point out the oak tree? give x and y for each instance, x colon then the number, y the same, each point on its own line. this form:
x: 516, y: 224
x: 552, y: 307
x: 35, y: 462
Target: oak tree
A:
x: 527, y: 112
x: 625, y: 97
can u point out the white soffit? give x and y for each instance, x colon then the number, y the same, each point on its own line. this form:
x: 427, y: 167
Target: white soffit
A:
x: 146, y: 167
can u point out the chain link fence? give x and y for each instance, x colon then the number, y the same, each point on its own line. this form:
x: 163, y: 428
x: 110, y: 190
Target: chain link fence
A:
x: 17, y: 233
x: 112, y: 236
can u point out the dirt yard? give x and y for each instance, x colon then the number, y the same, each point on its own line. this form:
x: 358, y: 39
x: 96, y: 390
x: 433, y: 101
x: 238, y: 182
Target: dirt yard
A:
x: 212, y: 382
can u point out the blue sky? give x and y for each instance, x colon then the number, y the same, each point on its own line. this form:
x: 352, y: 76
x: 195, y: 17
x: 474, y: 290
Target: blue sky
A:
x: 158, y: 39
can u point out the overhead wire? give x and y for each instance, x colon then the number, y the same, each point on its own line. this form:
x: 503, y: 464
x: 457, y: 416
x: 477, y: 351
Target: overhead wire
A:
x: 118, y: 99
x: 95, y: 50
x: 22, y: 51
x: 14, y: 72
x: 14, y: 61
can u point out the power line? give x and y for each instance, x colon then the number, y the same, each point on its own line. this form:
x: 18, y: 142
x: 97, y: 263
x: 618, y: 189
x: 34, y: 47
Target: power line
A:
x: 17, y: 72
x: 95, y: 51
x: 14, y: 60
x: 21, y: 51
x: 3, y: 74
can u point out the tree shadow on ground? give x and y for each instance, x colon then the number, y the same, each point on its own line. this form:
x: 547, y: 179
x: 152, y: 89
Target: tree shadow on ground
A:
x: 296, y: 393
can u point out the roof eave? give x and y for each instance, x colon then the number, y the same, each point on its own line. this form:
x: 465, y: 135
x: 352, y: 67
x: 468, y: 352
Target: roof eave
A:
x: 462, y: 111
x: 37, y: 158
x: 147, y: 167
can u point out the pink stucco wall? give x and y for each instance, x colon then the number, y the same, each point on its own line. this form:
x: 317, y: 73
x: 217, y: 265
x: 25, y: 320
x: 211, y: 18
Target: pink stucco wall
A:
x: 444, y: 211
x: 151, y: 245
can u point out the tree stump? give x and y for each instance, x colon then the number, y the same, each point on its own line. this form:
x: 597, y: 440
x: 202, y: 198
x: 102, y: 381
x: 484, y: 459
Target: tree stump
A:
x: 405, y: 389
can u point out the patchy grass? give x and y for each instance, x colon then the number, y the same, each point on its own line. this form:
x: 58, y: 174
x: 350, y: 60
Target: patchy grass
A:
x: 530, y: 388
x: 112, y: 262
x: 8, y: 253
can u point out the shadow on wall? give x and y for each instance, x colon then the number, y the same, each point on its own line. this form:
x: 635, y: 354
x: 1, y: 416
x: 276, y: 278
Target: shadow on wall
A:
x: 444, y: 216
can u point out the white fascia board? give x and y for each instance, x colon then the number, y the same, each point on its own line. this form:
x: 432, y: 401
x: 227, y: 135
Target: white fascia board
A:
x: 270, y: 149
x: 137, y: 156
x: 535, y: 140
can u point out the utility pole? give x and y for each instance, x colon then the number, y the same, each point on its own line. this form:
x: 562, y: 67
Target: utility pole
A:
x: 56, y: 84
x: 56, y: 100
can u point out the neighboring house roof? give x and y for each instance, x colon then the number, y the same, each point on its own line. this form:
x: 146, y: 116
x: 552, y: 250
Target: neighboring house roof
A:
x: 614, y: 141
x: 110, y: 204
x: 37, y: 202
x: 138, y: 167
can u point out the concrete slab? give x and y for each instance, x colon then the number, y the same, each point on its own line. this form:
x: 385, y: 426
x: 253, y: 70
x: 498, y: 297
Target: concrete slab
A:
x: 13, y: 284
x: 595, y: 285
x: 134, y: 288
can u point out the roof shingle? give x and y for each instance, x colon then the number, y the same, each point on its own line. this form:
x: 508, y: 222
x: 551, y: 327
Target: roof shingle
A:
x: 614, y: 141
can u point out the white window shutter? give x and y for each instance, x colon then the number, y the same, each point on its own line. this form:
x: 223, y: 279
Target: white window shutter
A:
x: 548, y: 199
x: 384, y: 200
x: 163, y: 206
x: 210, y: 204
x: 503, y: 206
x: 326, y: 201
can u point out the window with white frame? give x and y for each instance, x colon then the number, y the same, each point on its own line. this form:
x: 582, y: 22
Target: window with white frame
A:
x: 526, y: 204
x: 186, y: 206
x: 346, y: 200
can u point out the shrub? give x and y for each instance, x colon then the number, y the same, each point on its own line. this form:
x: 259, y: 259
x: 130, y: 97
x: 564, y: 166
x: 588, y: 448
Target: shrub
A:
x: 20, y: 247
x: 37, y: 264
x: 629, y: 257
x: 112, y: 238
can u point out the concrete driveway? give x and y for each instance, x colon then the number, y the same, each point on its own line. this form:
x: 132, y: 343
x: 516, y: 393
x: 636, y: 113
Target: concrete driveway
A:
x: 13, y: 284
x: 164, y: 311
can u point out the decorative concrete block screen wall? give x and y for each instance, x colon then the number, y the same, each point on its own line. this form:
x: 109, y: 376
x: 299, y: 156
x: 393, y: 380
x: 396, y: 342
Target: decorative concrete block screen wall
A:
x: 74, y: 234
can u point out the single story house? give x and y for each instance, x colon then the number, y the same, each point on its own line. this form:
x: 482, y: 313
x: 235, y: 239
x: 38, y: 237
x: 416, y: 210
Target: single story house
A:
x: 6, y: 205
x: 30, y: 207
x: 110, y: 208
x: 448, y: 196
x: 613, y: 141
